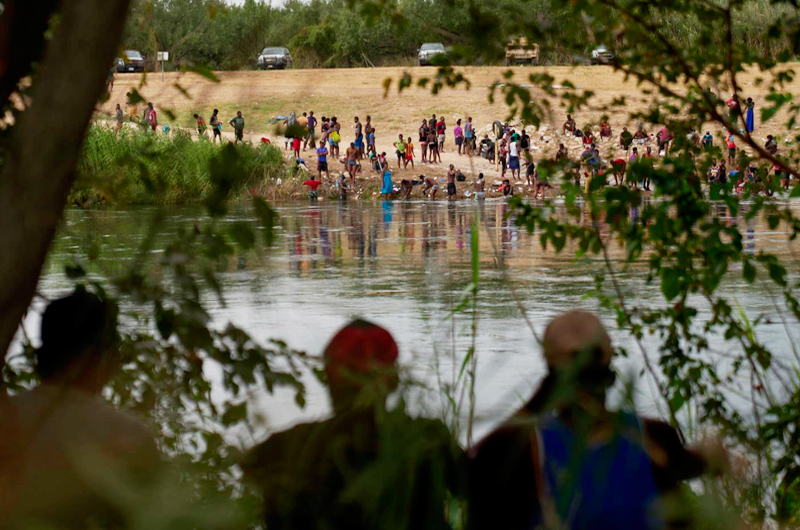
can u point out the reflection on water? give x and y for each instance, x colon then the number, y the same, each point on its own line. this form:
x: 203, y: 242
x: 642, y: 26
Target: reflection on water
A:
x: 404, y: 265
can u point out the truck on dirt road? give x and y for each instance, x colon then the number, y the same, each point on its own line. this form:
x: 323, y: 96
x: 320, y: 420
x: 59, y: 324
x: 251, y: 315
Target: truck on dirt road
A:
x: 520, y: 51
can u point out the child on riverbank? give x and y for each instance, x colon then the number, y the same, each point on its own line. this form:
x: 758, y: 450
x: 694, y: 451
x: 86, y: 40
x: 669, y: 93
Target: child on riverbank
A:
x: 371, y: 142
x: 409, y: 153
x: 296, y: 143
x: 201, y: 126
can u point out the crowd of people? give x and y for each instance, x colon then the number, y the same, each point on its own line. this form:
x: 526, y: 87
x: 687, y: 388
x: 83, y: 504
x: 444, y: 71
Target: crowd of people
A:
x: 508, y: 149
x: 431, y: 142
x: 562, y: 460
x: 512, y: 150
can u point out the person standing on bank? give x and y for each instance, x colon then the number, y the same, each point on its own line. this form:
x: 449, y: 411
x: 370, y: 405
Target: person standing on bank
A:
x: 238, y: 126
x: 750, y: 122
x: 216, y: 126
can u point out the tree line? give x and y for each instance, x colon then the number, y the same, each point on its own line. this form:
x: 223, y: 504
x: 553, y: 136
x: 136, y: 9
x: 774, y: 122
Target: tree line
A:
x: 341, y: 33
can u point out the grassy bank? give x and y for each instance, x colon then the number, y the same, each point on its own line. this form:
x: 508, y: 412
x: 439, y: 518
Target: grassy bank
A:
x: 136, y: 166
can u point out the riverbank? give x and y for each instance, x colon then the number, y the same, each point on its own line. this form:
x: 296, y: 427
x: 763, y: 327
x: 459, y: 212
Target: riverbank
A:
x: 262, y: 96
x: 139, y: 166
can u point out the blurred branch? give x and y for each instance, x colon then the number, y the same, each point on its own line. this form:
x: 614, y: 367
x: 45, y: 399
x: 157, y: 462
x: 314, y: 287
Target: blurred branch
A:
x: 40, y: 158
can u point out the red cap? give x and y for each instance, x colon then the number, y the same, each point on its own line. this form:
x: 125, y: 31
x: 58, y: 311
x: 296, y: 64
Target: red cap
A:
x: 359, y: 348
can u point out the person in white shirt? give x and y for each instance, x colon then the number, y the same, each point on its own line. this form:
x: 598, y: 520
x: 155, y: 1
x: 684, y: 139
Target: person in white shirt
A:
x: 513, y: 158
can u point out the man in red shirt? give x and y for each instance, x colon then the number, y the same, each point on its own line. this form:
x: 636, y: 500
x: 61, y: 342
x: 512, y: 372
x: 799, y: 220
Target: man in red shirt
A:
x: 312, y: 185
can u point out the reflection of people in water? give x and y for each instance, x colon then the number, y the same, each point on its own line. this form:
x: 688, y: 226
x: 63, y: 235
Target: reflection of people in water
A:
x: 373, y: 241
x: 387, y: 214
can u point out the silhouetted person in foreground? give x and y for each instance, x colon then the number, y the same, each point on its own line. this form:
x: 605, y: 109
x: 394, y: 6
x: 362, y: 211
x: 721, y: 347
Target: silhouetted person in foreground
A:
x: 565, y: 461
x: 367, y: 467
x: 67, y: 458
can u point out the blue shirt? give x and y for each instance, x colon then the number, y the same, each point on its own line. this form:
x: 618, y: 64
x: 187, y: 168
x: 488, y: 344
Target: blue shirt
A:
x: 600, y: 487
x: 322, y: 154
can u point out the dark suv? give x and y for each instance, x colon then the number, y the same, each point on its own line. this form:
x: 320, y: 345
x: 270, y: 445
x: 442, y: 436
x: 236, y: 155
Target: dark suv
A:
x: 131, y: 61
x: 276, y: 57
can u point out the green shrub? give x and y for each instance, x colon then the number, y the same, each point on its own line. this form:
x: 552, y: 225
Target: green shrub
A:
x: 136, y: 166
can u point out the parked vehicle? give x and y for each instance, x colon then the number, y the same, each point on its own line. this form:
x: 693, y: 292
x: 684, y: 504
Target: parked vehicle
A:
x: 520, y: 51
x: 274, y: 58
x: 601, y: 55
x: 428, y: 51
x: 131, y: 61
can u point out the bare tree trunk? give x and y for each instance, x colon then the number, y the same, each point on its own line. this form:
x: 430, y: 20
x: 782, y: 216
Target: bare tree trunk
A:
x: 39, y: 162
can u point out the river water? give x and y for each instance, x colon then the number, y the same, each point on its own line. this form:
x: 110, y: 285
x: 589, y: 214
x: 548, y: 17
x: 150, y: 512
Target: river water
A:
x: 405, y: 265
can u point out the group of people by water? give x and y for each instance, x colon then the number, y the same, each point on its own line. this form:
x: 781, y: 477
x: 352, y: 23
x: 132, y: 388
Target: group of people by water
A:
x: 508, y: 149
x: 562, y: 460
x: 432, y: 140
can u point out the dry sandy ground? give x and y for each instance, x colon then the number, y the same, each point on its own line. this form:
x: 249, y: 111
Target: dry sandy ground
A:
x: 358, y: 92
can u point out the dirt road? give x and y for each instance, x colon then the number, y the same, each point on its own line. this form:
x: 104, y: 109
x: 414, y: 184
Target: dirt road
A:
x: 359, y: 92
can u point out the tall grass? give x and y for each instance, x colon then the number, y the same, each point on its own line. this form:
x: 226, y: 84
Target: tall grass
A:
x: 137, y: 166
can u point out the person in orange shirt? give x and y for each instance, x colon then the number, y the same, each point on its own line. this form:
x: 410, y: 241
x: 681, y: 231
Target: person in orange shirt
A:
x: 730, y: 142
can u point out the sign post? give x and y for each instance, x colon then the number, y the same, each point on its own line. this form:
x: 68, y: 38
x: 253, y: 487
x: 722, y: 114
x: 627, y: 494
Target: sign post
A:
x: 161, y: 57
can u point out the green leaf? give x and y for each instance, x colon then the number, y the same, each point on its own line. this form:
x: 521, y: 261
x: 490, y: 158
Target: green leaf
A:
x: 235, y: 414
x: 676, y: 402
x: 165, y: 321
x: 74, y: 271
x: 134, y: 97
x: 203, y: 71
x: 243, y: 235
x: 777, y: 273
x: 773, y: 220
x: 268, y: 217
x: 749, y: 271
x: 787, y: 501
x: 670, y: 282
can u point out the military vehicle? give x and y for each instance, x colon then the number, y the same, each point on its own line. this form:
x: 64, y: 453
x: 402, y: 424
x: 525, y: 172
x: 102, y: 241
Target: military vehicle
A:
x: 520, y: 51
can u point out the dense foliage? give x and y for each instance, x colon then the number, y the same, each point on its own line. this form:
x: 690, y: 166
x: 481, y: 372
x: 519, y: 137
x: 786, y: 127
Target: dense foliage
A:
x: 703, y: 363
x: 715, y: 372
x: 137, y: 166
x: 339, y: 33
